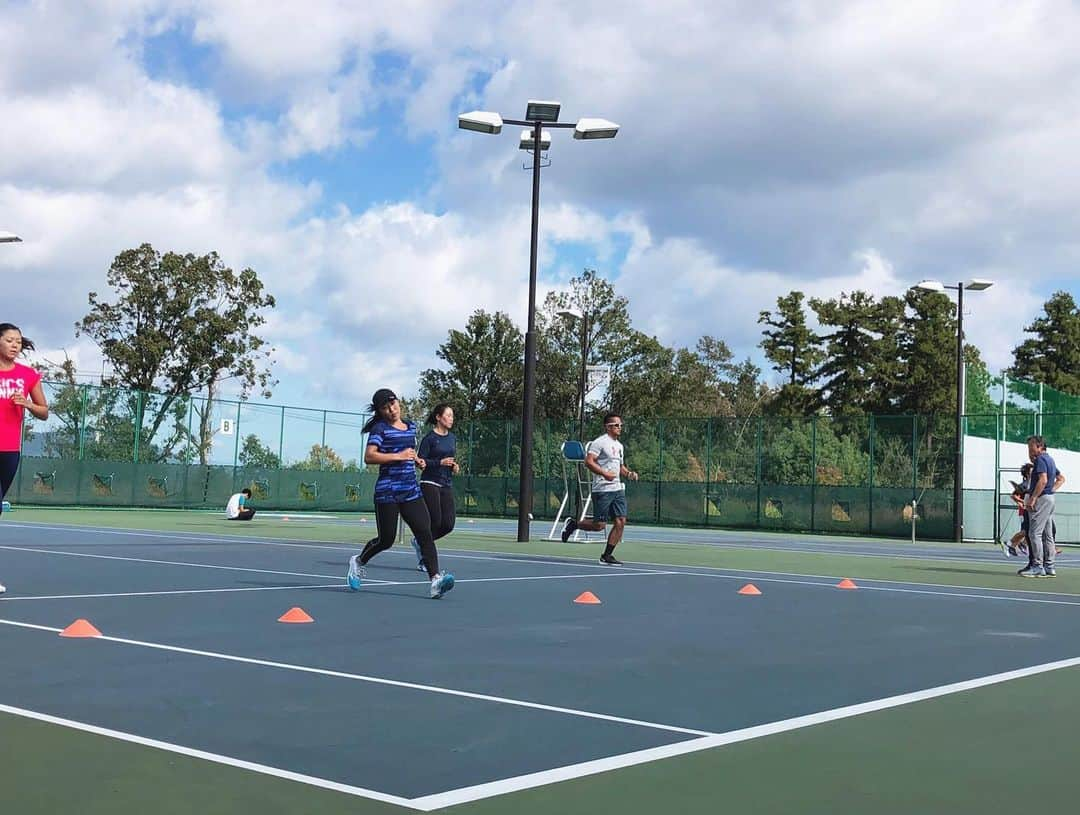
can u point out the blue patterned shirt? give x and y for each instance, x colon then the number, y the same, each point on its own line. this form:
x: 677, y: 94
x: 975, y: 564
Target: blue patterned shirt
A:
x: 397, y: 480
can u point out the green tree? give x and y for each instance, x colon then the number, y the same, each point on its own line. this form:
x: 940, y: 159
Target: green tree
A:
x: 483, y: 376
x: 928, y: 351
x: 1052, y: 356
x: 861, y: 367
x: 253, y: 453
x: 178, y: 323
x: 321, y: 457
x: 795, y: 352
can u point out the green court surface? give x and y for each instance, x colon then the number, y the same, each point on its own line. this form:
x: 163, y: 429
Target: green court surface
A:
x: 985, y: 723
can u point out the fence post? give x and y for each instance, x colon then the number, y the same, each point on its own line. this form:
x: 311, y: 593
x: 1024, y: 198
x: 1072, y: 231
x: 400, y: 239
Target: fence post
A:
x: 813, y: 473
x: 757, y: 465
x: 281, y: 442
x: 82, y: 423
x: 659, y: 491
x: 708, y: 467
x: 915, y: 456
x: 236, y: 443
x: 997, y: 479
x: 138, y: 424
x: 870, y: 496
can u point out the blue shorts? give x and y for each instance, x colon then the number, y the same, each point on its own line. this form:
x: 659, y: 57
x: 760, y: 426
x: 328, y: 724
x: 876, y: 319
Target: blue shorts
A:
x: 607, y: 506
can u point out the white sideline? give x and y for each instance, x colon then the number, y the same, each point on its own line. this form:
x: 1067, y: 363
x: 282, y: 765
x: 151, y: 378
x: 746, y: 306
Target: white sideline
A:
x: 505, y: 786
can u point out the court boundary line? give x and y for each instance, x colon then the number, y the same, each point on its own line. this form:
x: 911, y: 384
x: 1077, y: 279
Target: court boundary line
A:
x: 374, y: 680
x: 569, y: 772
x: 720, y: 572
x: 519, y: 783
x: 205, y: 755
x: 166, y: 592
x: 319, y: 543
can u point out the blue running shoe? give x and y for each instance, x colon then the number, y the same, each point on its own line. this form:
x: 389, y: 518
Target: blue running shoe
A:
x: 421, y: 566
x: 356, y: 574
x: 1032, y: 571
x: 441, y: 584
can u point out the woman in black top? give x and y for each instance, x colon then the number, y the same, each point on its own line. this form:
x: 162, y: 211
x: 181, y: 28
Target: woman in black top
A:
x: 436, y: 457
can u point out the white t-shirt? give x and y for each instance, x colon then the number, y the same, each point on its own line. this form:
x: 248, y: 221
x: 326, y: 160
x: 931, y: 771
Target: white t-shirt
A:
x: 609, y: 455
x: 236, y: 503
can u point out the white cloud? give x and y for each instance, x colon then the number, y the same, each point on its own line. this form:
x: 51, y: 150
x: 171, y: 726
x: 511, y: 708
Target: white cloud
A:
x: 822, y: 146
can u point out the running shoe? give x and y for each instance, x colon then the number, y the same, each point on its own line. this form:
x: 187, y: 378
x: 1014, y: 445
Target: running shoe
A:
x: 568, y: 529
x: 2, y: 588
x: 1048, y: 571
x: 1032, y: 571
x: 356, y: 574
x: 609, y: 560
x: 421, y: 566
x: 441, y: 583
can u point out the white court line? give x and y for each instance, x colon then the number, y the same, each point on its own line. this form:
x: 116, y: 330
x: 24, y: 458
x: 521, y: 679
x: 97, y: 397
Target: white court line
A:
x: 340, y: 584
x: 894, y: 589
x: 10, y: 599
x: 463, y: 795
x: 505, y: 786
x: 715, y: 571
x: 171, y: 562
x: 216, y: 758
x: 375, y: 680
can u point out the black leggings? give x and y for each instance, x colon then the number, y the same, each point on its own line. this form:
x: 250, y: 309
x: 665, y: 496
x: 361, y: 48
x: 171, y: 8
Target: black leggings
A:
x: 415, y: 515
x: 9, y: 464
x: 440, y: 506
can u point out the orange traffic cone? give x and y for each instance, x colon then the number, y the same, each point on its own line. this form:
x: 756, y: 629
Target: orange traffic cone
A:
x: 749, y: 588
x: 587, y: 598
x: 296, y: 615
x: 80, y: 628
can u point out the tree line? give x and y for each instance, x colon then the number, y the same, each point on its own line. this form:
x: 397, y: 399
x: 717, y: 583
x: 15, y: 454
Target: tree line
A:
x: 177, y: 327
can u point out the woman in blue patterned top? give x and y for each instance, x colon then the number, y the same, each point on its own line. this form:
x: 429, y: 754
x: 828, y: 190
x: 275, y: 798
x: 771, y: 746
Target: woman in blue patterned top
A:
x: 436, y: 458
x: 392, y: 445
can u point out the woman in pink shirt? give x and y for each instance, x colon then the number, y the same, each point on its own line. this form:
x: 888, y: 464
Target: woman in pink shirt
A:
x: 20, y: 390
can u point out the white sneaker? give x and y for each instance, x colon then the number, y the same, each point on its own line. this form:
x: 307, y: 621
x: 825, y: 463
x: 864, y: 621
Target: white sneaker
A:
x: 441, y: 583
x: 420, y: 565
x: 2, y: 588
x: 356, y: 574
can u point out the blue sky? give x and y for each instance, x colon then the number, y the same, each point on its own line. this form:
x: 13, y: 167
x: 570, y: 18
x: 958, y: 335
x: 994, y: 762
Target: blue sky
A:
x: 823, y: 146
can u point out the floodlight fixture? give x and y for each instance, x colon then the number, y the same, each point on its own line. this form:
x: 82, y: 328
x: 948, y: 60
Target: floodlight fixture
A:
x: 595, y: 129
x: 528, y: 142
x: 481, y: 121
x: 538, y: 110
x: 978, y: 284
x: 929, y: 285
x: 9, y: 237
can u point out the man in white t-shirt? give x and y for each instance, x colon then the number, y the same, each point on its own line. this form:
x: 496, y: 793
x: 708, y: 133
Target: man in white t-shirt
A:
x: 238, y: 509
x: 604, y: 458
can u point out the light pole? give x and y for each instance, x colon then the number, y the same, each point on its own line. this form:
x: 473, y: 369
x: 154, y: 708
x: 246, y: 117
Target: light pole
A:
x: 539, y: 116
x: 976, y: 284
x: 9, y: 237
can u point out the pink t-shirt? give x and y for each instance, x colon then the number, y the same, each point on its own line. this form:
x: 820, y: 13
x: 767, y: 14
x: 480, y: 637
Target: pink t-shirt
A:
x: 20, y: 379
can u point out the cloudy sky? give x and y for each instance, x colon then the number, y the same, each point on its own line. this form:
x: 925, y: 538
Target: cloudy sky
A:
x: 824, y: 146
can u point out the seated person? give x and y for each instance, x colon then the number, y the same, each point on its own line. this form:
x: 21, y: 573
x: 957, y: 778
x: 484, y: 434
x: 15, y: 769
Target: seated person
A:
x: 238, y: 508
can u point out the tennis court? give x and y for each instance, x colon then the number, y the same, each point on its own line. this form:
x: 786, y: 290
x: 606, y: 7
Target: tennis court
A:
x: 931, y: 684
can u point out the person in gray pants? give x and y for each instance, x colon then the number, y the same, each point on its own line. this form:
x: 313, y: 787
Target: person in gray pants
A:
x: 1040, y: 507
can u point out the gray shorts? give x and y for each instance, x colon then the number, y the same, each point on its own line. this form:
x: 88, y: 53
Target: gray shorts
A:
x: 607, y: 506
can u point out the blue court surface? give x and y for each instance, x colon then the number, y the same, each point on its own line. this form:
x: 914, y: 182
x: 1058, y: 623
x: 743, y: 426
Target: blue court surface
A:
x: 504, y: 684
